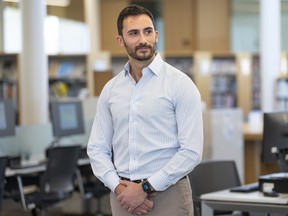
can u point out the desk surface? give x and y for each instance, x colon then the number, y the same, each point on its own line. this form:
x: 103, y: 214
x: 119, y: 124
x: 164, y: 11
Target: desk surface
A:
x: 251, y: 197
x: 37, y: 168
x: 247, y: 202
x: 251, y: 134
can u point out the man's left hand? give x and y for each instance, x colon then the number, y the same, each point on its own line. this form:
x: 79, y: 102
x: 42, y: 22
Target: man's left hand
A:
x: 132, y: 196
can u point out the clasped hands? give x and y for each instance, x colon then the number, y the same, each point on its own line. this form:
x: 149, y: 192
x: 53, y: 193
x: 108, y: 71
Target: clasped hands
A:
x: 132, y: 197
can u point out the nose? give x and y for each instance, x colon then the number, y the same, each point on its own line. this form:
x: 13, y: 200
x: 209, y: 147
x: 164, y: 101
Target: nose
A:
x: 142, y: 38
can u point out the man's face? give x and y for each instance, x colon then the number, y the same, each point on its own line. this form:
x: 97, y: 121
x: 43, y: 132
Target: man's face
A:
x: 139, y: 37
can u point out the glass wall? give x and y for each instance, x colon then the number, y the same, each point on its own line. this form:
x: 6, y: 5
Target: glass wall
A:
x: 245, y: 25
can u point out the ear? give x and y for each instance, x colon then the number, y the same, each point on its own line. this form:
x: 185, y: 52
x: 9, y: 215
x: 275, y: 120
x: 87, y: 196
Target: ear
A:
x: 156, y: 36
x: 120, y: 40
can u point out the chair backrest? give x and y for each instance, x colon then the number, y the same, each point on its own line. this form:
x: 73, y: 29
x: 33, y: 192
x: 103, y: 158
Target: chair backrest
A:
x: 214, y: 175
x: 61, y: 168
x: 3, y: 164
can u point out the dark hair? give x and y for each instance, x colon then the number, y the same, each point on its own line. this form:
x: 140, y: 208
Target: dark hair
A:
x: 132, y: 10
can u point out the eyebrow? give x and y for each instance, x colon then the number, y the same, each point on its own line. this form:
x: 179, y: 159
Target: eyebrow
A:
x: 145, y: 29
x: 148, y: 28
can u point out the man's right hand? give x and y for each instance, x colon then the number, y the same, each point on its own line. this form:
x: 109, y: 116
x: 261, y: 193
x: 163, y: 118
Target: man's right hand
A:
x: 143, y: 208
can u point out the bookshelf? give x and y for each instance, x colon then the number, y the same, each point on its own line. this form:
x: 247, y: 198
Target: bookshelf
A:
x: 282, y: 93
x: 65, y: 71
x: 183, y: 63
x: 223, y: 82
x: 216, y: 79
x: 67, y: 75
x: 281, y: 87
x: 8, y: 76
x: 228, y: 80
x: 256, y: 82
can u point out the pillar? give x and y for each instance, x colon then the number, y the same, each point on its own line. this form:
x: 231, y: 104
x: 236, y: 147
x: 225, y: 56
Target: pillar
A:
x: 33, y: 77
x: 1, y: 26
x: 92, y: 18
x: 269, y: 51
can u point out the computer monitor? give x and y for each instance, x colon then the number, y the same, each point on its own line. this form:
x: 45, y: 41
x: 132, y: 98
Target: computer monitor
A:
x: 275, y: 138
x: 67, y: 118
x: 7, y: 118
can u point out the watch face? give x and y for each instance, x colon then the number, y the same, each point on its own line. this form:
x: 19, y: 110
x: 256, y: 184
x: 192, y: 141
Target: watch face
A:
x: 146, y: 187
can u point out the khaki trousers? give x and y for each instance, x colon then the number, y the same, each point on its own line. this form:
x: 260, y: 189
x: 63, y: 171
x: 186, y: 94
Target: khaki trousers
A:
x: 174, y: 201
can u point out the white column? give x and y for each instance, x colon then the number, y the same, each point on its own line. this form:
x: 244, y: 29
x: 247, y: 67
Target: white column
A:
x: 269, y: 51
x: 92, y: 18
x: 33, y: 77
x: 1, y: 26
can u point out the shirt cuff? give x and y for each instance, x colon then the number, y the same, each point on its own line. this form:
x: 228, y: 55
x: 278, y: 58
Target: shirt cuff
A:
x: 160, y: 182
x: 112, y: 180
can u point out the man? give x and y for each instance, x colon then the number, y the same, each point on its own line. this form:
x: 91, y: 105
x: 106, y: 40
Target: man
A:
x: 147, y: 134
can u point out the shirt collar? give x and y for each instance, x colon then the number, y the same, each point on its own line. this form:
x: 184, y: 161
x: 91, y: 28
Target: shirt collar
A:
x: 155, y: 66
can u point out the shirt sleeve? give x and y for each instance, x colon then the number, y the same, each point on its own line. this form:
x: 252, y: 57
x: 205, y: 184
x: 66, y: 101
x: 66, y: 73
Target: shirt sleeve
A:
x: 99, y: 147
x: 188, y: 113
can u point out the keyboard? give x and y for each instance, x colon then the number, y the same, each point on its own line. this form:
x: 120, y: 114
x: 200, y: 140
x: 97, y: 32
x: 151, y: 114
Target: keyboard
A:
x: 246, y: 188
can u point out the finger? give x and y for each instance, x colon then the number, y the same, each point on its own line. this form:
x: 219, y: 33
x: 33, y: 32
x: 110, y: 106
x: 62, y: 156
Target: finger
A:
x: 140, y: 211
x: 126, y: 207
x: 130, y: 209
x: 124, y: 182
x: 148, y: 203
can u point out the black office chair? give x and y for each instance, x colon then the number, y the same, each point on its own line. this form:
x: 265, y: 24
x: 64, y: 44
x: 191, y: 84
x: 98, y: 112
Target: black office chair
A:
x: 210, y: 176
x: 56, y: 183
x: 91, y: 187
x: 3, y: 164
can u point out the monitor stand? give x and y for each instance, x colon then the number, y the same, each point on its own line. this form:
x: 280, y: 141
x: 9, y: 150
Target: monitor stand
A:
x: 282, y: 160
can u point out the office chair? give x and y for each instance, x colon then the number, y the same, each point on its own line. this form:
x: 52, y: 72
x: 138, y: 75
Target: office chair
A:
x: 210, y: 176
x: 91, y: 187
x: 56, y: 184
x: 3, y: 164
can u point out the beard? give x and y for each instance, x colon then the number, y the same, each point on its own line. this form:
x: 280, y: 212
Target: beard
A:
x: 142, y: 56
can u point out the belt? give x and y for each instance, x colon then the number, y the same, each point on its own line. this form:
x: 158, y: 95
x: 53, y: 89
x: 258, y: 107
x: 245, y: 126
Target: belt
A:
x: 135, y: 181
x: 139, y: 181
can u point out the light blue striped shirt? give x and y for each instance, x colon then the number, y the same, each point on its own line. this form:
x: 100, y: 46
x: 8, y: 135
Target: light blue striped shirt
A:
x: 154, y: 127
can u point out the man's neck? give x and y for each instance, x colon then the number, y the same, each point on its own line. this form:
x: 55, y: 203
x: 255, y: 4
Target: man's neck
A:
x: 136, y: 67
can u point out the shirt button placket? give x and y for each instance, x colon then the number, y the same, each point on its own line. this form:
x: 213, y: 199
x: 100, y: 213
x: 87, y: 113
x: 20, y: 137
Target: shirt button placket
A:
x: 132, y: 133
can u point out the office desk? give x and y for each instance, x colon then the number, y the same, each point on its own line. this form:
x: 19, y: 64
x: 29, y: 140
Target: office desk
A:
x: 37, y: 168
x: 251, y: 134
x: 25, y: 171
x: 248, y: 202
x: 32, y: 170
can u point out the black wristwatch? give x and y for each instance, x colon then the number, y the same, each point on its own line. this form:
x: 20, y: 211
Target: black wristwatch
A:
x: 147, y: 187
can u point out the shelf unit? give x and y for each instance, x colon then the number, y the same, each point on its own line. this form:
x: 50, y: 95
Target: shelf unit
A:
x: 184, y: 63
x: 256, y: 82
x: 281, y: 87
x: 67, y: 75
x: 282, y: 93
x: 223, y: 82
x: 216, y: 79
x: 228, y: 80
x: 8, y: 76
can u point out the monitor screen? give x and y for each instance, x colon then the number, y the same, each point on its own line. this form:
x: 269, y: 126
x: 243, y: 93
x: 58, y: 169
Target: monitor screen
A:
x: 275, y: 135
x: 67, y: 118
x: 7, y: 118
